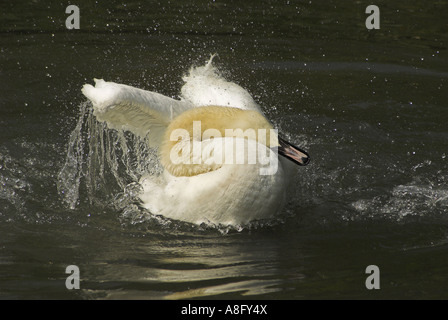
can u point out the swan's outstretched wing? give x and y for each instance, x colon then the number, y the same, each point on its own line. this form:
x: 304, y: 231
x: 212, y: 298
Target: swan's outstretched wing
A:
x: 204, y: 86
x: 142, y: 112
x: 147, y: 113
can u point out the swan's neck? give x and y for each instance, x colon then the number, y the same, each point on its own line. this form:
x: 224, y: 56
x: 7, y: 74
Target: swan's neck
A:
x: 186, y: 132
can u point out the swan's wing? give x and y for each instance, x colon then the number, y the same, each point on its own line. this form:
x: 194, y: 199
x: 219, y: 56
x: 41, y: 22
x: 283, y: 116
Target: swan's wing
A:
x: 144, y: 113
x: 204, y: 86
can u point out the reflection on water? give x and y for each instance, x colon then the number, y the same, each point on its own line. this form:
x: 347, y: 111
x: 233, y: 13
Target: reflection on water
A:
x: 186, y: 268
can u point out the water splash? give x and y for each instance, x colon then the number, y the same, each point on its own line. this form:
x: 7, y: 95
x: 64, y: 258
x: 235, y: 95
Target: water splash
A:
x: 406, y: 201
x: 70, y: 175
x: 103, y: 162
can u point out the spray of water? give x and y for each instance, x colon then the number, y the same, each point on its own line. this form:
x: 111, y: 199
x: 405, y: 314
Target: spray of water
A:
x: 103, y: 163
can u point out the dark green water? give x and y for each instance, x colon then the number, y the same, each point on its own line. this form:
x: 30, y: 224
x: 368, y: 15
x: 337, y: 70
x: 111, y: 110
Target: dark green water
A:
x: 370, y: 106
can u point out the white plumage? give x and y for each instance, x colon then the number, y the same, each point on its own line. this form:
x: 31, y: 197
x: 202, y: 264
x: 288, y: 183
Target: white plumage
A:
x: 229, y: 193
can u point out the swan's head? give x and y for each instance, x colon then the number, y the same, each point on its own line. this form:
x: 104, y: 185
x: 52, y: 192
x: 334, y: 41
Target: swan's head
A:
x: 199, y: 126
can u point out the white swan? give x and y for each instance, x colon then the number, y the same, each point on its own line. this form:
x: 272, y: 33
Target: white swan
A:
x: 209, y: 175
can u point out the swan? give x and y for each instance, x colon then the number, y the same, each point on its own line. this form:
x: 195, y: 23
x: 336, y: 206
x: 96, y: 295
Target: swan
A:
x: 218, y: 150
